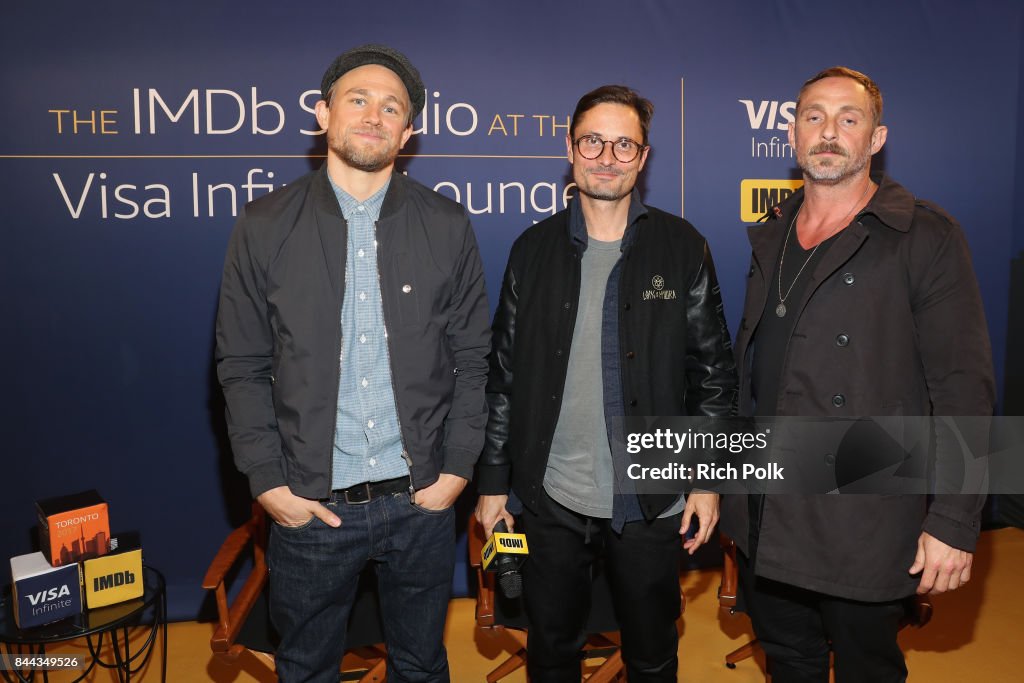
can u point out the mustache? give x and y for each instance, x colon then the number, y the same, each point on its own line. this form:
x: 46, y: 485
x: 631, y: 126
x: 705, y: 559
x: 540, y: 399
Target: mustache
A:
x: 605, y: 170
x: 370, y: 131
x: 828, y: 147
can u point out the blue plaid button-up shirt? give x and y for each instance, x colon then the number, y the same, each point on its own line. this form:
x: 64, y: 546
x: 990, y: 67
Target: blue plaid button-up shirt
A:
x: 367, y: 439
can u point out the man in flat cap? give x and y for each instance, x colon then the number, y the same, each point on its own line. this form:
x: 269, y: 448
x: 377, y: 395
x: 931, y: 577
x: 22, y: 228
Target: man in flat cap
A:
x: 352, y: 341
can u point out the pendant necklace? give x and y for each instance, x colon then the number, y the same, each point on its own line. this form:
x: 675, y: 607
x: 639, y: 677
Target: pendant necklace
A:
x: 780, y: 310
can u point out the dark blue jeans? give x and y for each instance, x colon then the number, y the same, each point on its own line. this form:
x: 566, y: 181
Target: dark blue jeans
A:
x: 314, y: 570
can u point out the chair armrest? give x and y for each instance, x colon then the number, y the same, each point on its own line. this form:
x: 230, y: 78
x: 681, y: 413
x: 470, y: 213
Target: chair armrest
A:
x: 919, y: 611
x: 484, y: 598
x: 227, y: 556
x: 230, y: 618
x: 475, y: 538
x: 730, y: 574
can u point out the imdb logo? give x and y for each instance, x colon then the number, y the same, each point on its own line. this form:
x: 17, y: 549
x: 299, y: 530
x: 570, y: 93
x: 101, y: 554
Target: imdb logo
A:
x: 759, y: 195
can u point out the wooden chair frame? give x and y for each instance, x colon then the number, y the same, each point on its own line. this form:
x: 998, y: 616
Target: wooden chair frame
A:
x: 598, y: 644
x: 232, y: 616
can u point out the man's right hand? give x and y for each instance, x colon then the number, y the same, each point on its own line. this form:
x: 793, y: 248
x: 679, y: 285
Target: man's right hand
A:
x: 287, y: 509
x: 489, y: 509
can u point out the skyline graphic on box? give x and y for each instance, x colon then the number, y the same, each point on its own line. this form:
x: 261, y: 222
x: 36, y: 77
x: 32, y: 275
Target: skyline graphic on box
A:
x: 73, y: 528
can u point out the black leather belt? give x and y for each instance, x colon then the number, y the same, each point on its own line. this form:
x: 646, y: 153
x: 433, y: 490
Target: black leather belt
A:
x: 367, y: 491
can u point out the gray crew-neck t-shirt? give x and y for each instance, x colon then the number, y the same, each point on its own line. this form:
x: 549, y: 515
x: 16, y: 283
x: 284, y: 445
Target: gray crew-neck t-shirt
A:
x: 579, y: 473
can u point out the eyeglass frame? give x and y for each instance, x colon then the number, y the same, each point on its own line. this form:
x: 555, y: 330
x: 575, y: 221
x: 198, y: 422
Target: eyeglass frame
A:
x: 639, y: 147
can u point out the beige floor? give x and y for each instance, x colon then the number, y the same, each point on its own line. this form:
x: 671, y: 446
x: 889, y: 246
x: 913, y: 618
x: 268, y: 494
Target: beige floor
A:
x: 975, y: 635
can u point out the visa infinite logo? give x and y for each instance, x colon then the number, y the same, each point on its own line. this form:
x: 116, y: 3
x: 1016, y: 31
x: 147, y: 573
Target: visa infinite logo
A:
x: 769, y: 114
x: 48, y: 595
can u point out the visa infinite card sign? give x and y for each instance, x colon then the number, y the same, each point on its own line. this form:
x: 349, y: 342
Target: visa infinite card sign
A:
x: 42, y: 593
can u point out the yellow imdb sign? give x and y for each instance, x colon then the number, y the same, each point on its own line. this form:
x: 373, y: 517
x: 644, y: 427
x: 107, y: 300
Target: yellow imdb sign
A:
x: 759, y: 195
x: 113, y: 578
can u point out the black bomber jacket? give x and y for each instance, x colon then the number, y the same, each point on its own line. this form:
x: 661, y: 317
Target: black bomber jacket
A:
x: 674, y: 349
x: 279, y: 332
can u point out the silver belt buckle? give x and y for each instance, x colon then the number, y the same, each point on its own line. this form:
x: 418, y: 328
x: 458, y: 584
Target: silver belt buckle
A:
x: 358, y: 495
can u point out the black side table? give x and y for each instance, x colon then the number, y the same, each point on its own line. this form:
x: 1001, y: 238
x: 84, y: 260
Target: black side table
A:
x: 116, y: 622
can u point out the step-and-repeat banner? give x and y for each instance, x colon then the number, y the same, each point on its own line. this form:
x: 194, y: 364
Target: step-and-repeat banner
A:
x: 133, y: 133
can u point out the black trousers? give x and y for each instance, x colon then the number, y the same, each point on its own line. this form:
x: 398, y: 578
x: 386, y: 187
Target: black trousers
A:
x: 797, y: 628
x: 642, y: 569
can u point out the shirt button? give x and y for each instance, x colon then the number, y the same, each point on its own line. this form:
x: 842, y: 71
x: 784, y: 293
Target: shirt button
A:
x: 373, y: 462
x: 361, y: 208
x: 361, y: 253
x: 630, y: 355
x: 362, y: 339
x: 365, y: 383
x: 362, y: 296
x: 369, y: 424
x: 839, y: 400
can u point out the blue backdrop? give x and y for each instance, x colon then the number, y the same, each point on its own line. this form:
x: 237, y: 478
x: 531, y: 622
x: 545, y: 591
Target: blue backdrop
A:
x: 131, y: 135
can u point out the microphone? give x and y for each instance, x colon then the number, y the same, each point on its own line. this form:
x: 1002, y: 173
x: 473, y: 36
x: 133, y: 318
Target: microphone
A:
x: 504, y: 554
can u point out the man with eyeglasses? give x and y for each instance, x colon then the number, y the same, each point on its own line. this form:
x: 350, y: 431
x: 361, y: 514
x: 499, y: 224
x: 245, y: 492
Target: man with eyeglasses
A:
x: 577, y: 343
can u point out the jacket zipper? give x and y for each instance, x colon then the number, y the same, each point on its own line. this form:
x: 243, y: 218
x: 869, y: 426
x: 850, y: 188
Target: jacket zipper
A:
x: 341, y: 357
x: 391, y: 367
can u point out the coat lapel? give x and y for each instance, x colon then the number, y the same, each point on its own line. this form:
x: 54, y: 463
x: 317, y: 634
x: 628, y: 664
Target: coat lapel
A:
x: 847, y: 244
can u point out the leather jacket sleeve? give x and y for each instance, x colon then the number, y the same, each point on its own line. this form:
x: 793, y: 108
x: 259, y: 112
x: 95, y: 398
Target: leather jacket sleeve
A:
x: 495, y: 466
x: 712, y: 388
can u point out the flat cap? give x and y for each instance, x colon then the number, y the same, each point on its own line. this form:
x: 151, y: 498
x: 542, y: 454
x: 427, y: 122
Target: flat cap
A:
x: 384, y: 56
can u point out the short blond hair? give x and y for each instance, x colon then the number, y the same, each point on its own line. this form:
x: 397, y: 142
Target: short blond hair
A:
x: 874, y: 94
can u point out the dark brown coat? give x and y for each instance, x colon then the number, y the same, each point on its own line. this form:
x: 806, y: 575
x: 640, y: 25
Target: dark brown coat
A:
x: 891, y: 323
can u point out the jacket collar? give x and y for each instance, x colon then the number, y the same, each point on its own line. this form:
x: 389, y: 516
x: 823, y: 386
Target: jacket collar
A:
x: 578, y: 224
x: 331, y: 224
x: 892, y: 205
x: 327, y: 202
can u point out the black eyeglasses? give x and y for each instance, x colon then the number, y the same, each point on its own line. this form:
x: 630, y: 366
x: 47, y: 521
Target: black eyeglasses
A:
x: 624, y: 149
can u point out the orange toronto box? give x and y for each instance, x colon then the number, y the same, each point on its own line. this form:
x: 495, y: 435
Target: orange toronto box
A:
x: 73, y: 528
